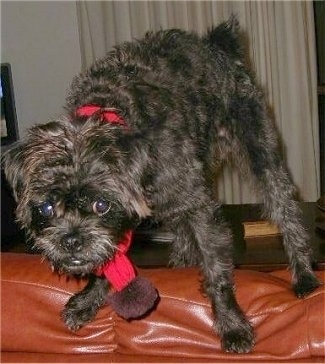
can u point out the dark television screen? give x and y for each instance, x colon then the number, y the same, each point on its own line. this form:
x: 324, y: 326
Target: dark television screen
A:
x: 9, y: 129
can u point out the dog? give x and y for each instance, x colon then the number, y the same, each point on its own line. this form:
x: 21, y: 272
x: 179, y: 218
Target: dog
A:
x: 181, y: 106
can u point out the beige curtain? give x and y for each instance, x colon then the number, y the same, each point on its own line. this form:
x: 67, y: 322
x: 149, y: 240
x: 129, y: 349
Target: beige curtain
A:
x: 282, y: 50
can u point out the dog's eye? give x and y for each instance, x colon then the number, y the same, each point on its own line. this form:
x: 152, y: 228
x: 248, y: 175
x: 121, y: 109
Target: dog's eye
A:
x: 101, y: 207
x: 46, y: 209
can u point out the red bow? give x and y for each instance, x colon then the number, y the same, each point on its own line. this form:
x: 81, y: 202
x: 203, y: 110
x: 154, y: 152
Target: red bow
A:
x: 108, y: 115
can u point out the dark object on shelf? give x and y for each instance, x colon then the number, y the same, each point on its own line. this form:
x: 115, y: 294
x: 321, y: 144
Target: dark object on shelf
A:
x: 9, y: 127
x: 320, y: 217
x: 11, y: 234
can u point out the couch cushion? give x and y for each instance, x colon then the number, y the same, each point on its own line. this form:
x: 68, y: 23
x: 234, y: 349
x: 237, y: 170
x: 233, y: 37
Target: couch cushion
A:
x: 180, y: 327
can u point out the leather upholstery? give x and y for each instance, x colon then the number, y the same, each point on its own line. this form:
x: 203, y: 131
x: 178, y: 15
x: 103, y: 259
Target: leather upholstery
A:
x: 180, y: 329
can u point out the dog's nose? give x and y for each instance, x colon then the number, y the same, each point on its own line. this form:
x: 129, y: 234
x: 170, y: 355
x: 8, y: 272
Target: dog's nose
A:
x: 72, y: 243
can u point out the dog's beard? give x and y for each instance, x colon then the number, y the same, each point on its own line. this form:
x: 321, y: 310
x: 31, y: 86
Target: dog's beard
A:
x: 96, y: 247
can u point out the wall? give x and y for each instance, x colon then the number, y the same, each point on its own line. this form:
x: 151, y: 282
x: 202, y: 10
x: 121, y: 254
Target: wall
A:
x: 40, y: 40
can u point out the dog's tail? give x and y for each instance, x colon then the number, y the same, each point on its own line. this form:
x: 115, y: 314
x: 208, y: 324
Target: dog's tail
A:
x: 226, y: 37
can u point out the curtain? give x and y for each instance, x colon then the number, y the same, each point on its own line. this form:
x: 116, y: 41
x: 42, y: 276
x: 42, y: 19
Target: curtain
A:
x: 281, y: 44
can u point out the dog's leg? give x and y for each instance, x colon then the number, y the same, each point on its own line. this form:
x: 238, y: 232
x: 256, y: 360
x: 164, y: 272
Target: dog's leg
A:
x: 203, y: 230
x: 281, y: 208
x: 83, y: 306
x: 257, y: 143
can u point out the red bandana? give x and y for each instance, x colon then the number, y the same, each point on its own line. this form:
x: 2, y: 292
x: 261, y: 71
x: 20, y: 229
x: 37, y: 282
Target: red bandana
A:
x: 119, y: 271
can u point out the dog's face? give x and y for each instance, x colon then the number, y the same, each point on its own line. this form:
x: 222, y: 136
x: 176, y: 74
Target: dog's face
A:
x: 73, y: 194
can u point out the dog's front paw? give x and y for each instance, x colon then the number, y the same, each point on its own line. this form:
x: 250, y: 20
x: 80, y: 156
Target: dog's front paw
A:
x: 74, y: 319
x: 239, y: 340
x: 306, y: 283
x: 77, y: 313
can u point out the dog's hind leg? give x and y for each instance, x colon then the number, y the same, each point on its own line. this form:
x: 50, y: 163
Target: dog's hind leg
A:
x: 256, y: 144
x: 83, y: 306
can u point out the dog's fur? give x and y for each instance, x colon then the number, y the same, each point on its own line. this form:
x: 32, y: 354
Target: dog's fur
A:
x: 189, y: 103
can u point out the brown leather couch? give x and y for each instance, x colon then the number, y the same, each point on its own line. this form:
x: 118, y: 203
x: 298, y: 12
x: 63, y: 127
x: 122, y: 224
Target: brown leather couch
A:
x: 179, y: 330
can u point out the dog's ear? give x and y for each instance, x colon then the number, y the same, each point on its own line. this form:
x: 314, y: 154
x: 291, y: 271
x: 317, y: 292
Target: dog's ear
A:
x: 13, y: 165
x: 140, y: 207
x: 23, y: 155
x: 133, y: 199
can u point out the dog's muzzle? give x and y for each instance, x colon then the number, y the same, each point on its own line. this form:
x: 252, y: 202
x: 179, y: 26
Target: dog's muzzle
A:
x: 74, y: 265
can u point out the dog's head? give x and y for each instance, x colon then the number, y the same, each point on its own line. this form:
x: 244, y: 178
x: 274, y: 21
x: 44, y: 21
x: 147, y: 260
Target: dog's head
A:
x: 77, y: 192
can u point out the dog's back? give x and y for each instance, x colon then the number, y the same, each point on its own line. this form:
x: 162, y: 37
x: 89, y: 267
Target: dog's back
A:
x: 167, y: 70
x: 170, y: 80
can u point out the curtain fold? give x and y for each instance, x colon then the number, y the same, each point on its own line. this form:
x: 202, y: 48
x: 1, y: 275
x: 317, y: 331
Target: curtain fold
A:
x: 281, y: 43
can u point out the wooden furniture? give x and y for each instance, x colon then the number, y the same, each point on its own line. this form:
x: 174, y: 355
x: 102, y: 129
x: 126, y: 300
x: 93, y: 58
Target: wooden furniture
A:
x: 264, y: 253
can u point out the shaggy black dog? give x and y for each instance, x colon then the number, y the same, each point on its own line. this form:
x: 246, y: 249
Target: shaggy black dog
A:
x: 182, y: 105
